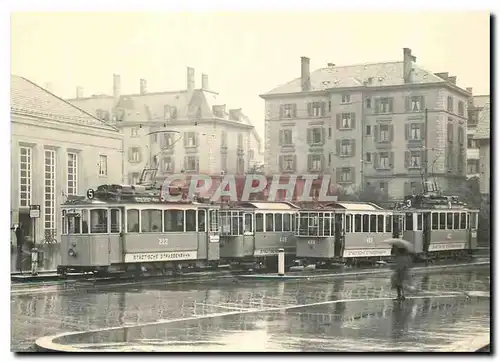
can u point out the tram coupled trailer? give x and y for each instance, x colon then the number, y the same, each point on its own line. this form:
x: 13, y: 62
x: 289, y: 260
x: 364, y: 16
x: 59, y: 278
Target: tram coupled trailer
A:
x: 118, y: 232
x: 439, y: 227
x: 251, y: 233
x: 344, y: 232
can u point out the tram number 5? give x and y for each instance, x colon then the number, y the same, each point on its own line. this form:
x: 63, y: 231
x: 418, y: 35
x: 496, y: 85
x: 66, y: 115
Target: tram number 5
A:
x: 162, y: 241
x: 369, y: 240
x: 90, y: 194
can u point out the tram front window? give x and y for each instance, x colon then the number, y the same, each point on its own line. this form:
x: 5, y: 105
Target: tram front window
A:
x: 409, y: 221
x: 201, y: 220
x: 190, y: 220
x: 72, y: 223
x: 99, y: 221
x: 115, y: 220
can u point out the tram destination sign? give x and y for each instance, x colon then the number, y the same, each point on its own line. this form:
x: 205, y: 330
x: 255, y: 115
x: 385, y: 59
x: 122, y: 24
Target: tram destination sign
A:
x: 350, y: 253
x: 161, y: 256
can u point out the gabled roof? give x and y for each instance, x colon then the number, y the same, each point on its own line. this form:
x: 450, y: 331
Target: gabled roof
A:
x: 483, y: 124
x: 27, y: 98
x: 381, y: 74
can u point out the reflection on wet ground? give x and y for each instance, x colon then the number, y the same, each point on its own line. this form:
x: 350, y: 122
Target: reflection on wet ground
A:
x: 441, y: 313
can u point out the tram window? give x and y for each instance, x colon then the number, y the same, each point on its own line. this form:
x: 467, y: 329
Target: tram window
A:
x: 99, y: 221
x: 225, y: 219
x: 456, y: 220
x: 201, y: 220
x: 150, y: 221
x: 442, y: 220
x: 303, y: 220
x: 259, y: 223
x: 348, y: 223
x: 373, y: 223
x: 287, y: 222
x: 409, y: 221
x: 173, y: 220
x: 380, y: 223
x: 435, y: 221
x: 357, y: 223
x: 85, y: 221
x: 278, y: 222
x: 248, y: 223
x: 115, y: 220
x: 449, y: 221
x: 473, y: 220
x: 463, y: 220
x: 327, y: 223
x: 366, y: 223
x: 213, y: 220
x: 388, y: 224
x: 419, y: 221
x: 133, y: 221
x: 269, y: 222
x: 190, y: 220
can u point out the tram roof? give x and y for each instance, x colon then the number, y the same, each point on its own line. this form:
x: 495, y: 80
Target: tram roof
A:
x: 269, y: 205
x: 359, y: 206
x: 343, y: 205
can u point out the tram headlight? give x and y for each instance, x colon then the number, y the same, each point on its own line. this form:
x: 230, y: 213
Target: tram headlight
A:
x: 71, y: 252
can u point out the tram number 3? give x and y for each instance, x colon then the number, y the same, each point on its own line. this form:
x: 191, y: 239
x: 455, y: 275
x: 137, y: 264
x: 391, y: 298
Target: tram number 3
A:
x: 90, y: 194
x: 162, y: 241
x: 408, y: 203
x: 369, y: 240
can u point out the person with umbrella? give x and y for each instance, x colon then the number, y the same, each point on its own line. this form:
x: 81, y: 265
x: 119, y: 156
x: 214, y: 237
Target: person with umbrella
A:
x: 402, y: 250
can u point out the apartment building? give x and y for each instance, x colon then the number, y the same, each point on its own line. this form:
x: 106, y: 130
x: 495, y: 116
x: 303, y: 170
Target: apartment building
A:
x: 482, y: 138
x: 366, y: 124
x: 57, y: 150
x: 190, y: 131
x: 474, y: 108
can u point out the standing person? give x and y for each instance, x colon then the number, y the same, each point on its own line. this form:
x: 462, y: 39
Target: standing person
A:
x: 401, y: 270
x: 20, y: 242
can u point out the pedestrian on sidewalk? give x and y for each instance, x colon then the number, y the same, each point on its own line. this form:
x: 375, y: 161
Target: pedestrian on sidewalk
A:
x: 403, y: 261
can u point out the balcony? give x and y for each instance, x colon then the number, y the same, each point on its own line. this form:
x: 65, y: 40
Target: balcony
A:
x: 473, y: 153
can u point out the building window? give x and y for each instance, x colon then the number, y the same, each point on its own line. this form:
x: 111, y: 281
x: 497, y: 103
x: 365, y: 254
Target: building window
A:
x: 471, y: 143
x: 413, y: 188
x: 472, y: 166
x: 190, y: 139
x: 103, y: 165
x: 416, y: 104
x: 72, y: 188
x: 383, y: 160
x: 346, y: 148
x: 384, y: 133
x: 415, y: 131
x: 315, y: 163
x: 223, y: 139
x: 385, y: 105
x: 346, y: 98
x: 449, y: 104
x: 288, y: 110
x: 368, y: 103
x: 286, y: 137
x: 368, y: 130
x: 345, y: 174
x: 287, y: 163
x: 134, y: 155
x: 345, y: 120
x: 450, y: 130
x: 461, y: 108
x: 240, y: 165
x: 49, y: 195
x: 134, y: 178
x: 251, y: 154
x: 384, y: 187
x: 25, y: 176
x: 413, y: 159
x: 316, y: 109
x: 191, y: 163
x: 315, y: 136
x: 168, y: 164
x: 134, y: 132
x: 368, y: 157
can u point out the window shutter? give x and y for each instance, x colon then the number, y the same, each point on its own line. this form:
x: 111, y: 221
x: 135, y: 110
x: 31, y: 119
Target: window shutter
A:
x: 322, y: 136
x: 391, y: 133
x: 294, y: 162
x: 339, y: 120
x: 423, y: 135
x: 309, y: 162
x: 407, y: 131
x: 450, y: 132
x: 338, y: 147
x: 323, y: 110
x: 375, y: 160
x: 377, y: 105
x: 460, y: 135
x: 185, y: 162
x: 422, y: 103
x: 391, y: 104
x: 353, y: 147
x: 282, y: 111
x: 352, y: 170
x: 338, y: 174
x: 130, y: 152
x: 281, y: 137
x: 280, y: 162
x: 322, y: 162
x: 309, y: 109
x: 375, y: 133
x: 407, y: 189
x: 353, y: 120
x: 185, y: 139
x: 294, y: 111
x: 309, y: 136
x: 407, y: 159
x: 391, y: 160
x: 407, y: 104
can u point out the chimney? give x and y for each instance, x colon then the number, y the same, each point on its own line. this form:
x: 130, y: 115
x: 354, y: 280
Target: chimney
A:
x: 204, y: 81
x: 443, y: 75
x: 331, y: 65
x: 190, y: 79
x: 452, y: 80
x: 144, y: 86
x: 305, y: 74
x: 79, y: 92
x: 407, y: 64
x: 116, y: 86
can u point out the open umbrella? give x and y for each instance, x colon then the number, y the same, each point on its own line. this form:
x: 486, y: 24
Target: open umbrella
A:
x: 400, y: 243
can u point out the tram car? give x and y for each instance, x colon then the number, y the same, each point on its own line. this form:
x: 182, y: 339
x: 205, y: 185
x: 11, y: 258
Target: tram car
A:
x: 344, y: 232
x: 129, y: 228
x: 439, y: 227
x: 251, y: 233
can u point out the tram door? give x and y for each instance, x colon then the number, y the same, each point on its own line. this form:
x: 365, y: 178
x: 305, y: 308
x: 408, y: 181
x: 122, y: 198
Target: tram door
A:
x: 248, y: 233
x: 339, y: 235
x: 213, y: 252
x: 397, y: 226
x: 426, y: 231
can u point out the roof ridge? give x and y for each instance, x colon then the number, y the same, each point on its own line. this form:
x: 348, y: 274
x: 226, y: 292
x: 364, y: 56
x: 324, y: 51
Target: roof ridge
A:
x: 65, y: 101
x: 360, y: 64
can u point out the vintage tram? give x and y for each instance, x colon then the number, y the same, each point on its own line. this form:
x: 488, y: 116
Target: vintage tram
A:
x: 129, y: 228
x: 251, y: 233
x: 439, y: 226
x: 345, y: 232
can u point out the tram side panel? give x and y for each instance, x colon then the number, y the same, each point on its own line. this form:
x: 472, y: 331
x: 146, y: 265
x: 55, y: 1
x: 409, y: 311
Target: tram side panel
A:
x: 450, y: 231
x: 274, y: 231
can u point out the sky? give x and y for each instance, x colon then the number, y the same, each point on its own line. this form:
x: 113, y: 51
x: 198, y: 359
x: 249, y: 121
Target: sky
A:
x: 244, y: 53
